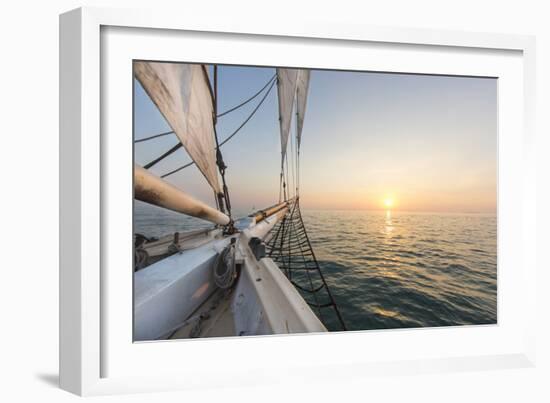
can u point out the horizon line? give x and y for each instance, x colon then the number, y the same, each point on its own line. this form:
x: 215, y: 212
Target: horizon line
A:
x: 403, y: 210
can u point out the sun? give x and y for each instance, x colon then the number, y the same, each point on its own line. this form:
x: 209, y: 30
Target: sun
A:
x: 388, y: 202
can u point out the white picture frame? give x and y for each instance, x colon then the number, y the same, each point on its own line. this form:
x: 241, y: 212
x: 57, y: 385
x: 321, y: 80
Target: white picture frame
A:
x: 96, y: 355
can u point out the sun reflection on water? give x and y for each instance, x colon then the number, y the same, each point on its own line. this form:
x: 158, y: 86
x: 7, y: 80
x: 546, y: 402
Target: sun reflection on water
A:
x: 388, y: 223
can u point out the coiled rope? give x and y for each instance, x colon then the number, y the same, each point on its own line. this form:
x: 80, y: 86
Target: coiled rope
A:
x: 225, y: 267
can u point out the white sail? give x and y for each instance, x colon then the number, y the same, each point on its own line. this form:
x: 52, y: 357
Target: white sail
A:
x: 182, y: 94
x: 287, y: 90
x: 302, y: 87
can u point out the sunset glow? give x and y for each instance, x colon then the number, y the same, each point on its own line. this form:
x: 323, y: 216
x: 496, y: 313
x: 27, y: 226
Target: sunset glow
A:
x: 429, y: 139
x: 388, y: 202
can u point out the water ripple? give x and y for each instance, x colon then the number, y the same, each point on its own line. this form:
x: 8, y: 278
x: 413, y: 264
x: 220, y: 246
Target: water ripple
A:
x: 398, y: 271
x: 408, y: 270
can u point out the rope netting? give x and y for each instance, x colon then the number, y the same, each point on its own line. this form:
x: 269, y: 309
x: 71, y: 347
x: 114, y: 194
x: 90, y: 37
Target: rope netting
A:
x: 290, y: 248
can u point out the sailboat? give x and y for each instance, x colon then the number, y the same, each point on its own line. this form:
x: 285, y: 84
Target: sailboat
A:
x: 251, y: 275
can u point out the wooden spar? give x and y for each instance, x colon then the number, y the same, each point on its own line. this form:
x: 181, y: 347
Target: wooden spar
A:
x: 263, y: 214
x: 153, y: 190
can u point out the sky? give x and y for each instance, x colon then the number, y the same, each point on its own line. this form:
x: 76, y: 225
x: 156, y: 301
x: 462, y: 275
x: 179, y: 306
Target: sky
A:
x: 420, y: 142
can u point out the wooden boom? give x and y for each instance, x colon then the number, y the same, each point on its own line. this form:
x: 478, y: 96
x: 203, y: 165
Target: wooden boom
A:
x: 153, y: 190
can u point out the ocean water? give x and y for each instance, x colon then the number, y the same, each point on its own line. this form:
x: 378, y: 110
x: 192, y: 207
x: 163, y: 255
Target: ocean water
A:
x: 397, y: 270
x: 390, y: 269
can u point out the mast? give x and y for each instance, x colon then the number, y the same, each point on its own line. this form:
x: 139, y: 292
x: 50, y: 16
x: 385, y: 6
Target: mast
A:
x: 286, y: 86
x: 184, y: 96
x: 297, y: 178
x: 223, y: 196
x: 302, y: 87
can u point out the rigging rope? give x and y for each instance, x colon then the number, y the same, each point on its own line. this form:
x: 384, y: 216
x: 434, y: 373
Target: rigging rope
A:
x: 163, y: 156
x: 221, y: 197
x: 298, y: 144
x: 249, y: 99
x: 290, y: 248
x: 153, y: 137
x: 292, y: 155
x: 231, y: 135
x: 222, y: 167
x: 217, y: 116
x: 280, y: 186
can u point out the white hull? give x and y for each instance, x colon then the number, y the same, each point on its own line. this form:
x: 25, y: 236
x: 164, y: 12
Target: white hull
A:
x: 263, y: 301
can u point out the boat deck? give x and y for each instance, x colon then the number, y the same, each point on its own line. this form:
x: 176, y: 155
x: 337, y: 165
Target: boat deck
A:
x: 214, y: 318
x: 177, y: 297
